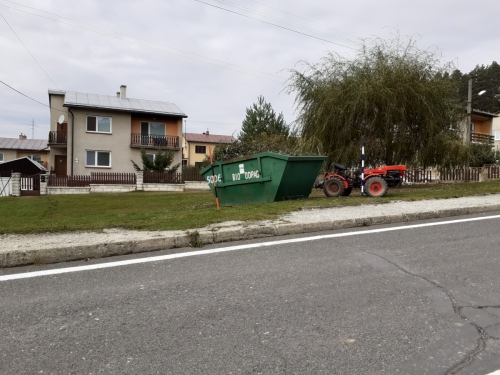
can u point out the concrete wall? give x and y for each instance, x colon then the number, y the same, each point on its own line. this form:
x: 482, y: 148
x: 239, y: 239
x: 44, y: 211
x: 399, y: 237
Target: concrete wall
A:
x: 112, y: 188
x: 163, y: 187
x: 196, y: 185
x: 52, y: 190
x: 16, y: 184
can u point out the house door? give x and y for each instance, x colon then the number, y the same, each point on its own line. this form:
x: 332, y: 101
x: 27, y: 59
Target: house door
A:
x: 62, y: 132
x: 145, y: 133
x: 61, y: 165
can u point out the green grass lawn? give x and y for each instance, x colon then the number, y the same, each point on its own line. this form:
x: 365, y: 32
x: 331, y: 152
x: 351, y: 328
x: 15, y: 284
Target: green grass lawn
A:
x: 169, y: 211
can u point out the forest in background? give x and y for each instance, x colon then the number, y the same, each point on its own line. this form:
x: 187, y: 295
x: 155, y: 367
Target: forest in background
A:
x: 487, y: 78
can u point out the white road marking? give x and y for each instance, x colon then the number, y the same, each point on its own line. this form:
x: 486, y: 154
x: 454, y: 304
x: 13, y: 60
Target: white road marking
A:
x: 232, y: 248
x: 494, y: 373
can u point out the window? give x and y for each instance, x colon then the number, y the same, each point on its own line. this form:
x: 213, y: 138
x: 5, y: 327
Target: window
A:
x: 184, y: 162
x: 99, y: 124
x: 37, y: 158
x: 151, y: 157
x: 1, y: 157
x: 98, y: 159
x: 497, y: 135
x: 200, y: 149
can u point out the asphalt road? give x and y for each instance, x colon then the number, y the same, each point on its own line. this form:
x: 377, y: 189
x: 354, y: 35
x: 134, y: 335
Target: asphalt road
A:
x: 418, y: 300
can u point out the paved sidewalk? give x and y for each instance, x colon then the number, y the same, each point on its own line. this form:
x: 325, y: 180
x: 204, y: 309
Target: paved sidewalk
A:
x: 18, y: 250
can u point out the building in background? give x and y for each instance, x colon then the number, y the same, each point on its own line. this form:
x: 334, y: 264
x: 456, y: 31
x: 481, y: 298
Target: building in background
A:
x: 101, y: 133
x: 15, y: 148
x: 196, y: 146
x: 496, y: 130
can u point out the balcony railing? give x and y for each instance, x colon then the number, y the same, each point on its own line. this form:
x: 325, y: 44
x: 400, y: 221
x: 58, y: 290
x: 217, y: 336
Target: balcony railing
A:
x: 481, y: 138
x: 58, y: 138
x: 166, y: 142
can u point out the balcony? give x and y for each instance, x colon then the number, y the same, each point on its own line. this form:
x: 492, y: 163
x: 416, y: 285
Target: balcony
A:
x: 163, y: 142
x: 482, y: 138
x: 58, y: 138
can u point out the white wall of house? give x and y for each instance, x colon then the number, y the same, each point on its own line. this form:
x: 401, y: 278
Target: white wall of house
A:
x: 83, y: 142
x: 496, y: 131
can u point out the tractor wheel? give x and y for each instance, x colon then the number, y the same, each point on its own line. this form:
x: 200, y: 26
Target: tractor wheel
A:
x: 347, y: 192
x: 333, y: 187
x: 376, y: 187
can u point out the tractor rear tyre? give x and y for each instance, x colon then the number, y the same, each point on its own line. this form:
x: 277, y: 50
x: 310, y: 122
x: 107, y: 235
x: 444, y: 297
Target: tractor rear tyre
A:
x: 376, y: 187
x: 347, y: 192
x: 333, y: 187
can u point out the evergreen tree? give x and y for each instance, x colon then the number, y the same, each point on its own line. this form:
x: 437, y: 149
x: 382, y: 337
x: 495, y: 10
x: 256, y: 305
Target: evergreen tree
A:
x: 159, y: 163
x: 485, y: 78
x: 261, y: 118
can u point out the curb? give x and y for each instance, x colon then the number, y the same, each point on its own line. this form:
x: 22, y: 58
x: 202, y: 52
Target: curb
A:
x: 176, y: 243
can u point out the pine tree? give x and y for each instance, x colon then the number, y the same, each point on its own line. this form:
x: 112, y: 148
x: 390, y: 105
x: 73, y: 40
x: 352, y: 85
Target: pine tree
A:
x: 261, y: 118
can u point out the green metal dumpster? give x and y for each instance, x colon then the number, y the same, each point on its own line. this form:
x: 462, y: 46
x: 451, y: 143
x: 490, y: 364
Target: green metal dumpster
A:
x: 264, y: 177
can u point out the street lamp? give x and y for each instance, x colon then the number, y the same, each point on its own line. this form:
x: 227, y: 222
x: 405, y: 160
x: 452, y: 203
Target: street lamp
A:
x: 469, y: 109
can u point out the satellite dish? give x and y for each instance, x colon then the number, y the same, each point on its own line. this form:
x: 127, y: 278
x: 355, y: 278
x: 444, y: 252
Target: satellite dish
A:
x: 61, y: 119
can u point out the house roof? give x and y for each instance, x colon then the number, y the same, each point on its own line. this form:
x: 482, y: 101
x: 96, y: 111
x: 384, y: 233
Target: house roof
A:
x: 211, y: 138
x: 23, y: 144
x: 483, y: 114
x: 80, y: 99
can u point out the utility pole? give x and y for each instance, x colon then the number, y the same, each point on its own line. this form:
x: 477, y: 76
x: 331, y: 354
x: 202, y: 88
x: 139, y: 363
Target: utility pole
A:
x: 32, y: 126
x: 469, y: 111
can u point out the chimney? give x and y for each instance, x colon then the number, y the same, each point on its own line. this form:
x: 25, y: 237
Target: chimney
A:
x: 207, y: 133
x: 22, y: 137
x: 123, y: 92
x: 118, y: 94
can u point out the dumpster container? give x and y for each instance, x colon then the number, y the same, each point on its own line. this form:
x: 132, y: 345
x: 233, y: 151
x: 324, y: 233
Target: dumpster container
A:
x: 264, y: 177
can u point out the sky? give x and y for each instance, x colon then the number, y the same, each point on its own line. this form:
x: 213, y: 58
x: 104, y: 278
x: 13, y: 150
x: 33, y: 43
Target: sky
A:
x: 212, y: 58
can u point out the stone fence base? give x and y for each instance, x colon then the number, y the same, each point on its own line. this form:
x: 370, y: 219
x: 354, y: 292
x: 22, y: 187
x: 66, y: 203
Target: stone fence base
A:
x: 196, y: 185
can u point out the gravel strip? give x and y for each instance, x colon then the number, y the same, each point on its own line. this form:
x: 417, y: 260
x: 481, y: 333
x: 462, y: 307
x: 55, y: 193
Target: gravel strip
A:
x: 27, y: 242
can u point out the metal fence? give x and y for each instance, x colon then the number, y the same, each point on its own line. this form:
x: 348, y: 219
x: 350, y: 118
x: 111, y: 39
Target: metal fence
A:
x: 463, y: 174
x: 162, y: 178
x: 108, y: 178
x: 105, y: 178
x: 493, y: 171
x: 458, y: 175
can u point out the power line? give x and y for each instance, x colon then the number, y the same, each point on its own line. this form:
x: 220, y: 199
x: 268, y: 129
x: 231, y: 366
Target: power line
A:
x: 147, y: 41
x: 48, y: 106
x: 273, y: 24
x: 212, y: 122
x: 47, y: 74
x: 19, y: 92
x: 283, y: 21
x: 308, y: 20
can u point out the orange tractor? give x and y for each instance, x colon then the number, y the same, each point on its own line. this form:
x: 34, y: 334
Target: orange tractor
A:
x: 376, y: 181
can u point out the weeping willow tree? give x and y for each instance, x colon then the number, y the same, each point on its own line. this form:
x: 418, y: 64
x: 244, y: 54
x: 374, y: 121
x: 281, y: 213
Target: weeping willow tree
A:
x: 397, y: 98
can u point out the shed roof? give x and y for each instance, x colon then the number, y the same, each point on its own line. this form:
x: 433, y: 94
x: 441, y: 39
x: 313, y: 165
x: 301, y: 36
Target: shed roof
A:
x: 209, y: 138
x: 22, y: 165
x: 23, y: 144
x: 80, y: 99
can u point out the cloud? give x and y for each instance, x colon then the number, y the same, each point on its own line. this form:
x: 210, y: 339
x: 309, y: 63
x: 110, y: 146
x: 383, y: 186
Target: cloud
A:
x: 213, y: 97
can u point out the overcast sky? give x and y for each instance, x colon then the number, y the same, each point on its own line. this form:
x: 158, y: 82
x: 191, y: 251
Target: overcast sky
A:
x: 210, y: 62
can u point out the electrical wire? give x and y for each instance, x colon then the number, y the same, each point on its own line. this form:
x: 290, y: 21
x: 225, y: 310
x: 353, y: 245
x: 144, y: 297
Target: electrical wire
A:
x: 302, y: 18
x: 273, y: 24
x: 212, y: 122
x: 19, y: 92
x: 284, y: 21
x: 47, y: 74
x: 214, y: 63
